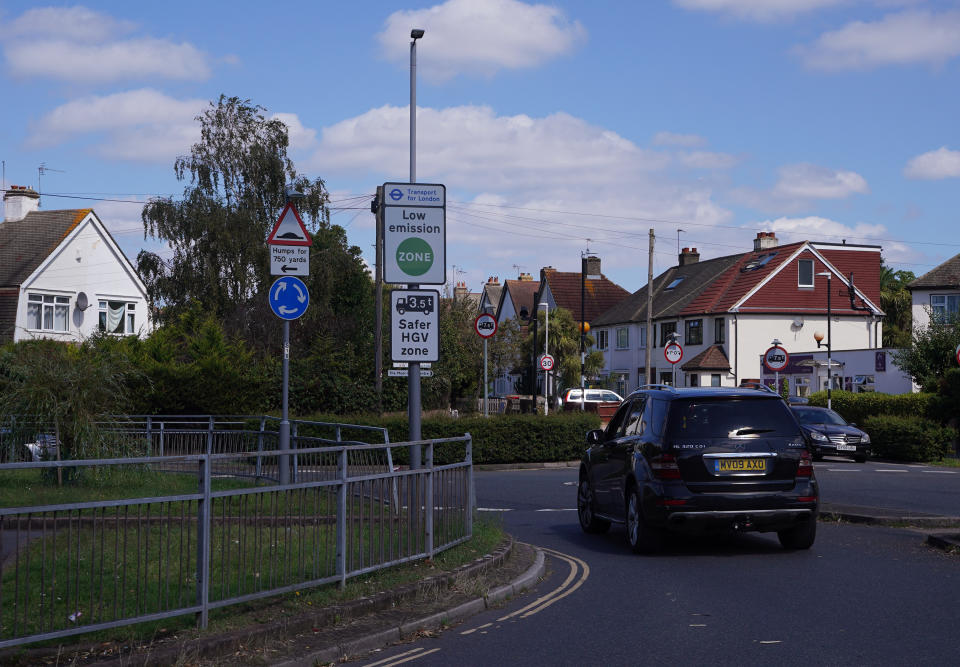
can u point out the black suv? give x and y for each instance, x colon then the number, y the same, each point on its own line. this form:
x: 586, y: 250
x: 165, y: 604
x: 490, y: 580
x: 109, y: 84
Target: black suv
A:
x: 700, y: 460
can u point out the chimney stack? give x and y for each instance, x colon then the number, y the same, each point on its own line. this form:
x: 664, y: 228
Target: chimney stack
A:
x: 18, y: 201
x: 593, y: 268
x: 526, y: 276
x: 764, y: 241
x: 688, y: 256
x: 460, y: 291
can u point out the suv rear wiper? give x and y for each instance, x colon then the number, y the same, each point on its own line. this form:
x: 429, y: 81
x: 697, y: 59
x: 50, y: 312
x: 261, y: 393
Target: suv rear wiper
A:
x: 751, y: 431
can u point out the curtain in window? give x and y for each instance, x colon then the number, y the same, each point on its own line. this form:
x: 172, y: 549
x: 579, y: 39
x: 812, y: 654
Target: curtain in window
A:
x: 115, y: 311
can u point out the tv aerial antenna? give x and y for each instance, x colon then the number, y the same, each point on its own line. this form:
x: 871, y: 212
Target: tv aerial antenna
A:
x: 42, y: 171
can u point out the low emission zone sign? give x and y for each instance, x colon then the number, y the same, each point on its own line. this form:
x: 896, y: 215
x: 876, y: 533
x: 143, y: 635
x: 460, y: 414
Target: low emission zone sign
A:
x: 414, y: 233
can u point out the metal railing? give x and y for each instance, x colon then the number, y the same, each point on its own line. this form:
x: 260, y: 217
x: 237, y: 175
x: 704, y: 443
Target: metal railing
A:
x: 202, y: 540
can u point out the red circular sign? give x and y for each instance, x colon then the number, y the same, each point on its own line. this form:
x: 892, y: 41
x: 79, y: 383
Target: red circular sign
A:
x: 958, y: 354
x: 546, y: 362
x: 485, y: 325
x: 673, y: 353
x: 776, y: 358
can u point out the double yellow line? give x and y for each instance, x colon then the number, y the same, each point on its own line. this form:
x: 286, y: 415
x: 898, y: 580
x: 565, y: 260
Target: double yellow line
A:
x: 579, y: 571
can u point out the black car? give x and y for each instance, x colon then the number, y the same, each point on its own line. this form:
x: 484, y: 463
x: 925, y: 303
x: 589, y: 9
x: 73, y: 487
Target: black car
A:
x: 700, y: 460
x: 830, y: 434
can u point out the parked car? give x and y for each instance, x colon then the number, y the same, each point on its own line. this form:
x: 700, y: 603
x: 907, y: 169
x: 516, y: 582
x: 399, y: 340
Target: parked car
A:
x: 830, y: 434
x: 574, y: 397
x: 700, y: 460
x: 798, y: 400
x: 43, y: 448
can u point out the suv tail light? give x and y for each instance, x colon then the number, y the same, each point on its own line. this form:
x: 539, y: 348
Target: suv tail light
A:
x: 664, y: 466
x: 805, y: 467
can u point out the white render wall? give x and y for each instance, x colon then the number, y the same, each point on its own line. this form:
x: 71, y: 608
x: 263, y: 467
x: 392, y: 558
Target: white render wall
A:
x: 88, y: 261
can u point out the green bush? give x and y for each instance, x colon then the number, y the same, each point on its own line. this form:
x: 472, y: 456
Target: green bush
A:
x: 908, y: 438
x: 496, y: 439
x: 857, y: 407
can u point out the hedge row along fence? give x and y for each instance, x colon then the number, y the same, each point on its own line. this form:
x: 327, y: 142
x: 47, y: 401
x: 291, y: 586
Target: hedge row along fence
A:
x: 498, y: 439
x: 903, y: 427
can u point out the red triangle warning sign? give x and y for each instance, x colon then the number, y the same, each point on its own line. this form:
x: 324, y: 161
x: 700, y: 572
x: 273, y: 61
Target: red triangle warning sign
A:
x: 289, y: 229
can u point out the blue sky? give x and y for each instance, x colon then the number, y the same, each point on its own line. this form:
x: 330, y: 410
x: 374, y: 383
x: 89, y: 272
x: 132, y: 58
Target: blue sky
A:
x: 556, y: 127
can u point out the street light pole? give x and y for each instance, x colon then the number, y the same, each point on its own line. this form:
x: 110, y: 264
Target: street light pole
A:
x: 583, y: 333
x: 546, y: 340
x: 413, y: 369
x: 829, y: 341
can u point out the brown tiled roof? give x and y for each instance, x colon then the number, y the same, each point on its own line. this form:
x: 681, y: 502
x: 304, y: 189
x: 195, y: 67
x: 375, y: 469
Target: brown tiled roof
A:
x: 24, y: 244
x: 947, y: 275
x: 522, y: 293
x: 711, y: 359
x: 599, y: 295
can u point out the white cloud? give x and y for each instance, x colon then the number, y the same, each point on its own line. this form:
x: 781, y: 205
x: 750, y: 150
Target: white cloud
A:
x: 707, y: 160
x: 78, y: 23
x: 906, y: 38
x: 808, y: 181
x: 815, y: 228
x: 759, y: 10
x: 481, y: 37
x: 79, y: 45
x: 301, y: 138
x: 471, y: 144
x: 934, y: 165
x: 674, y: 139
x: 142, y: 125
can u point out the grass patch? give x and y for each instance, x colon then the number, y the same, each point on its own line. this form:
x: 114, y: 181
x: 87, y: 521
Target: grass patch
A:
x: 952, y: 462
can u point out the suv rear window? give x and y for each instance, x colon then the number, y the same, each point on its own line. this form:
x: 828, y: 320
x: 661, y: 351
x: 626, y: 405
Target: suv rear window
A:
x: 729, y: 418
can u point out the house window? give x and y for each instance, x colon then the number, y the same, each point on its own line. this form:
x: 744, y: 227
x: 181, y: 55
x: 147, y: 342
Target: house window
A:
x: 694, y: 333
x: 622, y: 384
x: 118, y: 317
x: 674, y: 282
x: 694, y: 380
x: 864, y: 383
x: 46, y: 312
x: 803, y: 386
x: 945, y: 307
x: 715, y: 379
x: 666, y: 328
x: 666, y: 377
x: 805, y: 273
x: 623, y: 338
x: 602, y: 339
x: 719, y: 331
x: 643, y: 337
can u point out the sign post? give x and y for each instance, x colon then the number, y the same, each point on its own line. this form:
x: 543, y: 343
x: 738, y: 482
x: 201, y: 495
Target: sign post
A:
x: 486, y: 326
x: 776, y: 359
x: 673, y: 353
x: 289, y: 254
x: 414, y: 249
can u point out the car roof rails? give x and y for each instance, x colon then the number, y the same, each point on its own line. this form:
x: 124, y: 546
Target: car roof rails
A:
x: 662, y: 387
x: 758, y: 385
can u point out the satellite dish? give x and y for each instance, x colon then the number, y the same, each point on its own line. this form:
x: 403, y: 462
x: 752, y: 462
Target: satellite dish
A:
x: 798, y: 322
x: 82, y: 302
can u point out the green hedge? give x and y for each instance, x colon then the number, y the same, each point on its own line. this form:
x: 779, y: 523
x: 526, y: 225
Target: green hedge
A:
x: 857, y: 407
x: 496, y: 439
x: 908, y: 438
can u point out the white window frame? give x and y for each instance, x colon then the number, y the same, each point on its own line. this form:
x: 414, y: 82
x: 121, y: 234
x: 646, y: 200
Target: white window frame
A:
x: 602, y: 339
x: 626, y: 335
x: 129, y: 321
x: 800, y: 263
x: 49, y: 307
x: 940, y: 306
x: 643, y: 337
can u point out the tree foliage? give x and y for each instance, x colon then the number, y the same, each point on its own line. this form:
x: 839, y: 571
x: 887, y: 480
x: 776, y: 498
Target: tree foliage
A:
x: 564, y: 347
x: 932, y: 352
x: 237, y: 178
x: 896, y: 301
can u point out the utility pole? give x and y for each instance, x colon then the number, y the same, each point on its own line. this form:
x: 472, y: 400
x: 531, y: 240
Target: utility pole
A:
x: 649, y: 306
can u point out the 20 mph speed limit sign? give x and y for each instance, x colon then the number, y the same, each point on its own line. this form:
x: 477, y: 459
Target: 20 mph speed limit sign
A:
x: 546, y: 362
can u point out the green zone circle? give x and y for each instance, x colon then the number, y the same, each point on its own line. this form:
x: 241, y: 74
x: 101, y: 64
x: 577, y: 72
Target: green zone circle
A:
x: 414, y: 256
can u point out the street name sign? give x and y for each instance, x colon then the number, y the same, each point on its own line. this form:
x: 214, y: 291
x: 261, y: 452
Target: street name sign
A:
x: 403, y: 372
x: 289, y: 298
x: 415, y: 325
x: 414, y: 233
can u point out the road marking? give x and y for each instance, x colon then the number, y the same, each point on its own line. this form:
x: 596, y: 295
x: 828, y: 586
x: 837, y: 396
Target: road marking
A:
x: 891, y: 470
x: 563, y: 509
x: 402, y: 658
x: 573, y: 581
x: 844, y: 469
x: 941, y: 472
x: 472, y: 630
x: 494, y: 509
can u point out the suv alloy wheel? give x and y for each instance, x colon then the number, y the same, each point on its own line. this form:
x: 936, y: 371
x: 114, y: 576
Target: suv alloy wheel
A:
x: 642, y: 538
x: 589, y: 522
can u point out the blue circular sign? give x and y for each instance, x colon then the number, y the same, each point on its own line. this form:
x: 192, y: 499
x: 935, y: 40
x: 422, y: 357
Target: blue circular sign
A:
x: 289, y: 297
x: 395, y: 194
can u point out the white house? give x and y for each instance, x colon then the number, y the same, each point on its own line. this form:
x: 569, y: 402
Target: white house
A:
x: 726, y: 311
x: 62, y: 276
x: 936, y: 293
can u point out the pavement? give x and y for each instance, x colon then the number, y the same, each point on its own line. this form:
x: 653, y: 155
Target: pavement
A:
x: 364, y: 625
